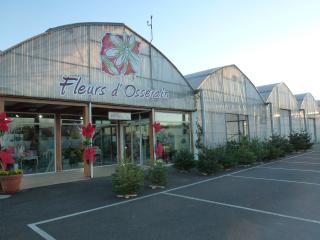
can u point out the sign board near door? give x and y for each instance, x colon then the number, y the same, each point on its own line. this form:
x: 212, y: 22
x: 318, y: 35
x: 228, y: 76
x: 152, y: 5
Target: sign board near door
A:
x: 119, y: 116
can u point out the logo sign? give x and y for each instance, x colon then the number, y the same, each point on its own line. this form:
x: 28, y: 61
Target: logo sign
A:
x: 119, y: 116
x: 120, y: 54
x: 74, y: 85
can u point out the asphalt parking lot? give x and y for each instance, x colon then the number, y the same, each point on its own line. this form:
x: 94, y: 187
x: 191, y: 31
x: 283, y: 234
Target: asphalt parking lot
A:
x: 277, y: 200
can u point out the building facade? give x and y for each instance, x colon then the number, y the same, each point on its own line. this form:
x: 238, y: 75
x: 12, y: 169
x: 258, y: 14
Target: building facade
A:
x: 104, y: 73
x: 282, y: 114
x: 229, y: 106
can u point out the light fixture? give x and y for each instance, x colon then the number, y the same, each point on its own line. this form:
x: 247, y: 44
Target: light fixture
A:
x: 17, y: 115
x: 81, y: 118
x: 40, y: 116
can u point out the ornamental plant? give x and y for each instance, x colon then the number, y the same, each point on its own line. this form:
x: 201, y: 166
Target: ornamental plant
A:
x: 89, y: 151
x: 158, y: 175
x: 6, y: 158
x: 184, y: 160
x: 127, y: 180
x: 300, y: 141
x: 208, y: 163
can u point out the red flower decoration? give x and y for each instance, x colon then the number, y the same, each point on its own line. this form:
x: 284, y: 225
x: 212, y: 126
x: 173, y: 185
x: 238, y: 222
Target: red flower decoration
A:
x: 6, y: 158
x: 90, y: 154
x: 4, y: 123
x: 157, y: 127
x: 88, y: 131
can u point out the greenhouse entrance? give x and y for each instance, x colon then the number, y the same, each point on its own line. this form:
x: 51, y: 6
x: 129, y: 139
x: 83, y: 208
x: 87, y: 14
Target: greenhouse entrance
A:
x: 135, y: 138
x: 119, y: 139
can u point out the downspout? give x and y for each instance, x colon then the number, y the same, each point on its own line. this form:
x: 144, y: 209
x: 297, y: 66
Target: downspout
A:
x: 203, y: 117
x: 271, y: 118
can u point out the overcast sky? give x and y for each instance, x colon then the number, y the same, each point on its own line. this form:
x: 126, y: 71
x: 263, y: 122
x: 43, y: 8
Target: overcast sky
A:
x: 270, y: 41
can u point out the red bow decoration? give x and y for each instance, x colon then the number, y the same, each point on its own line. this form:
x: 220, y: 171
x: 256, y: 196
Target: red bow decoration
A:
x: 88, y: 131
x: 157, y: 127
x: 90, y: 154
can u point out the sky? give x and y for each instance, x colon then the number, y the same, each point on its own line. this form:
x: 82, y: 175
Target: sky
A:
x: 270, y: 41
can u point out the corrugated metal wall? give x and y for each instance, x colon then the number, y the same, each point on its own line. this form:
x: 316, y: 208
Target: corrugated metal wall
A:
x: 35, y: 68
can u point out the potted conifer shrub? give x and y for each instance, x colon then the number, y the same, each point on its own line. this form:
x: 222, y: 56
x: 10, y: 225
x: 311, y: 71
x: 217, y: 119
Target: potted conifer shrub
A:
x: 127, y: 180
x: 157, y: 175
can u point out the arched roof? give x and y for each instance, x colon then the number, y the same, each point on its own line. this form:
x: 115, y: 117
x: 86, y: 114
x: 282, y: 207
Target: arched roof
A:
x: 73, y: 25
x: 267, y: 90
x: 197, y: 79
x: 280, y: 95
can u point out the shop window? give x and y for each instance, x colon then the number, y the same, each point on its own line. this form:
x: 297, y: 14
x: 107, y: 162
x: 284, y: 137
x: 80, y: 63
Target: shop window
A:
x: 71, y: 140
x: 174, y: 134
x: 32, y: 138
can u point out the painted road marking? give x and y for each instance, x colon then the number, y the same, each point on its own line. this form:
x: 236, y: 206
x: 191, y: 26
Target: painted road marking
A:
x: 292, y: 169
x: 275, y: 179
x: 310, y: 163
x: 245, y: 208
x: 47, y: 236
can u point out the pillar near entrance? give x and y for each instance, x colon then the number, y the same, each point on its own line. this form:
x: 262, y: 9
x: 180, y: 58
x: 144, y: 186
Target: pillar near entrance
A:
x: 1, y: 105
x: 58, y: 142
x: 86, y: 120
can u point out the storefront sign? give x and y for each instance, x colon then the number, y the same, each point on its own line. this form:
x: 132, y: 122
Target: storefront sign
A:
x: 119, y: 116
x: 74, y: 85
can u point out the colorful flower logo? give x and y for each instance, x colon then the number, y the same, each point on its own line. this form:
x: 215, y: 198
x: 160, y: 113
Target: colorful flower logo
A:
x: 120, y: 54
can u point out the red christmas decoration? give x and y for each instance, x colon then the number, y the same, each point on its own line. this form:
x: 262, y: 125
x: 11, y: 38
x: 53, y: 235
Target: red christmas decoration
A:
x: 90, y: 154
x: 4, y: 123
x: 88, y: 131
x: 157, y: 127
x: 6, y: 157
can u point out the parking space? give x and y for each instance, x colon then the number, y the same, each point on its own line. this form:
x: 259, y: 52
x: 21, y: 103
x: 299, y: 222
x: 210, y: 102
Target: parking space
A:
x: 170, y: 217
x: 270, y: 201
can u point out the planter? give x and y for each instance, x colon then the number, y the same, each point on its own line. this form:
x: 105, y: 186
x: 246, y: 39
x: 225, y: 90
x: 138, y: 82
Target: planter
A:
x: 126, y: 196
x: 11, y: 183
x: 156, y: 186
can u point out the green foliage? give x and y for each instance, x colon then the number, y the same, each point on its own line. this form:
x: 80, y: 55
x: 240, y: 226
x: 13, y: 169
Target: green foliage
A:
x: 184, y: 160
x: 158, y: 174
x: 300, y: 141
x: 282, y: 144
x: 127, y: 179
x: 10, y: 172
x: 208, y: 162
x: 73, y: 154
x: 245, y: 156
x: 259, y: 149
x: 225, y: 157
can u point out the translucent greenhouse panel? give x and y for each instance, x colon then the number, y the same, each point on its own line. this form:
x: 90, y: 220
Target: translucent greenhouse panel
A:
x: 285, y: 123
x: 311, y: 127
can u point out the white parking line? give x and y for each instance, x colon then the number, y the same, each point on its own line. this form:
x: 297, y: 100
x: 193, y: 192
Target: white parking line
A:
x: 293, y: 169
x: 274, y: 179
x: 246, y: 208
x: 310, y: 163
x: 47, y: 236
x: 308, y: 157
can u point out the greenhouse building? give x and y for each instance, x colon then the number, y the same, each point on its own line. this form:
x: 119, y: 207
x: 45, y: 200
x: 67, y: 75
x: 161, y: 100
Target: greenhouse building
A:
x: 228, y: 105
x: 309, y: 115
x: 283, y: 113
x: 104, y: 73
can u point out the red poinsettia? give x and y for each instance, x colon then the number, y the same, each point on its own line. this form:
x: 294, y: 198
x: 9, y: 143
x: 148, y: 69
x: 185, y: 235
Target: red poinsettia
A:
x: 90, y: 154
x: 4, y: 123
x: 88, y: 131
x: 157, y: 127
x: 6, y: 157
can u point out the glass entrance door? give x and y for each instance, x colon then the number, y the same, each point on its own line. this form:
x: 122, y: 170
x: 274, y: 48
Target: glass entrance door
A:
x: 136, y: 142
x: 105, y: 141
